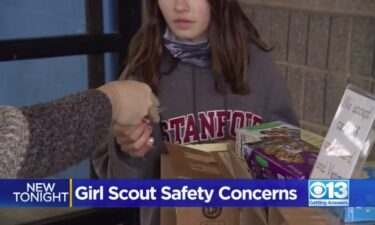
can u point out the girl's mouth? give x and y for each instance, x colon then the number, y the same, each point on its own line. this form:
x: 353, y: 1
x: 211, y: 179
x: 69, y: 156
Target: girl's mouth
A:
x: 183, y: 23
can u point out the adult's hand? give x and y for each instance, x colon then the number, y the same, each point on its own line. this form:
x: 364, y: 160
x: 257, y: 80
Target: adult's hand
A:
x: 132, y: 101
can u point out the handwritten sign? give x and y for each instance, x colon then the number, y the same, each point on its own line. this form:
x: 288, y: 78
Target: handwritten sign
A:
x: 347, y: 137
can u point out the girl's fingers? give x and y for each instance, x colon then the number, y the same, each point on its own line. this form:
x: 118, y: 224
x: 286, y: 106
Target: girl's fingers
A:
x: 145, y: 148
x: 143, y: 138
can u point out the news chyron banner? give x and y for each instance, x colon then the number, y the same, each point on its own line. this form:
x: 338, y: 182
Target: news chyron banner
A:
x: 186, y: 193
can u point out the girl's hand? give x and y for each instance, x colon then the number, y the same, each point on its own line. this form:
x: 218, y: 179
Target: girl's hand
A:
x: 136, y: 140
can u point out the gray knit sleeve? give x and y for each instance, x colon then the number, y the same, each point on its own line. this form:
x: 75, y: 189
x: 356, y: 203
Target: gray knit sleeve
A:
x: 64, y: 132
x: 14, y: 139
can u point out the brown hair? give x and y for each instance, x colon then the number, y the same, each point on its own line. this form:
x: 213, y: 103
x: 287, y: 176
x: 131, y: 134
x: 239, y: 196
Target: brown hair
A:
x: 230, y: 33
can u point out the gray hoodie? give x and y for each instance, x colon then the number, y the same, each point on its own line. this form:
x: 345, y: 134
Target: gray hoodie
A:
x: 194, y: 112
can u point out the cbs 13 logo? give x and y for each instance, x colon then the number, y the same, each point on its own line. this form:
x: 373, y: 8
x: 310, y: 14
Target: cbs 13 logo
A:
x: 329, y: 189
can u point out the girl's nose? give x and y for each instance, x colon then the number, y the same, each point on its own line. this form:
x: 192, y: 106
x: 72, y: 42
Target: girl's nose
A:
x: 182, y: 6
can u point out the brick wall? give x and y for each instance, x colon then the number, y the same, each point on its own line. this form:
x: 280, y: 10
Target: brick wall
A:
x: 320, y: 46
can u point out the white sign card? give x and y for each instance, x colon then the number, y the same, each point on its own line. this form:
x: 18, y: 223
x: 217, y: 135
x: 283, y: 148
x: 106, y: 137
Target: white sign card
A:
x: 347, y: 136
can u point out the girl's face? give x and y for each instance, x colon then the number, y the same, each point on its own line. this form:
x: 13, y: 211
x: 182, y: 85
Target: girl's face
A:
x: 188, y: 19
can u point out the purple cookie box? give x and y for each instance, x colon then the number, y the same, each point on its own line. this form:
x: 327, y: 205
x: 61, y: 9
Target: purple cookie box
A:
x: 262, y: 165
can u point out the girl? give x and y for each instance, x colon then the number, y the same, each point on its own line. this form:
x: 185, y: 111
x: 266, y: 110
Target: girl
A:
x: 212, y: 73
